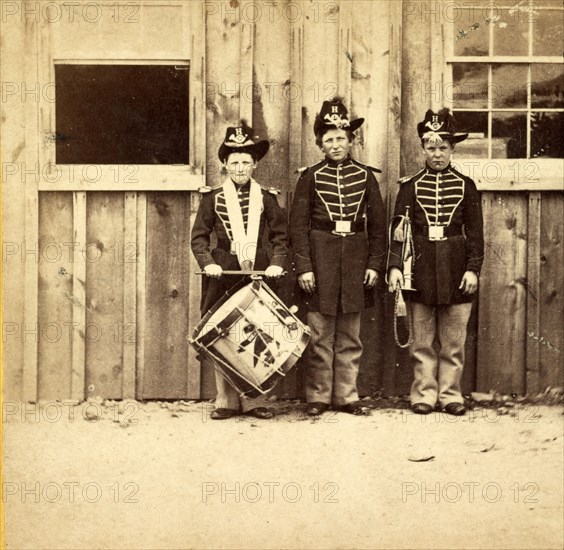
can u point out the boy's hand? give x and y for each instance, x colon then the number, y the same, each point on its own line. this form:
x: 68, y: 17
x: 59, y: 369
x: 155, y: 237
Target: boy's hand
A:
x: 469, y: 283
x: 395, y: 279
x: 213, y: 270
x: 274, y: 272
x: 370, y: 278
x: 307, y: 281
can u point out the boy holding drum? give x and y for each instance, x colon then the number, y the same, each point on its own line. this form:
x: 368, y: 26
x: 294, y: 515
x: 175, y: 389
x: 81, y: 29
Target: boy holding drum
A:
x: 238, y: 212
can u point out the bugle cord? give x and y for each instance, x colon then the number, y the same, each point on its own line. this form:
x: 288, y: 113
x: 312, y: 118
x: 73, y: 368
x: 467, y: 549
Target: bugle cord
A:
x: 402, y: 233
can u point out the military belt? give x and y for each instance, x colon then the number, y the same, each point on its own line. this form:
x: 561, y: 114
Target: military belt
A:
x: 437, y: 232
x: 338, y: 226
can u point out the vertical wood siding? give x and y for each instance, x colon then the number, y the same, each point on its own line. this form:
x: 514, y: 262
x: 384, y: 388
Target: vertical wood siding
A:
x: 168, y: 295
x: 56, y: 296
x: 503, y: 294
x: 104, y: 330
x: 125, y: 304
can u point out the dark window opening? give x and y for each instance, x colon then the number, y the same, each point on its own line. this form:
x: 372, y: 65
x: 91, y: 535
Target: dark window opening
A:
x: 122, y: 114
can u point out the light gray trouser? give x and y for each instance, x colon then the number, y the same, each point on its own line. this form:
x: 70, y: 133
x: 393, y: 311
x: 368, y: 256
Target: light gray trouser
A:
x: 333, y: 358
x: 228, y: 398
x: 437, y: 374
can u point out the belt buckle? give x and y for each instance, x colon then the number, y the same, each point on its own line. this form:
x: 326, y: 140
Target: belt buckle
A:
x: 436, y: 232
x: 233, y: 248
x: 342, y: 228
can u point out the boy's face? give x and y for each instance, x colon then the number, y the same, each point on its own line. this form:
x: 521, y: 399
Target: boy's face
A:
x: 240, y: 167
x: 438, y: 155
x: 336, y: 145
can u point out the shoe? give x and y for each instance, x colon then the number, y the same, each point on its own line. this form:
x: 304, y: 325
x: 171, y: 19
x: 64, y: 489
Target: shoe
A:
x: 354, y: 408
x: 421, y: 408
x: 260, y: 412
x: 222, y: 414
x: 456, y: 409
x: 317, y: 408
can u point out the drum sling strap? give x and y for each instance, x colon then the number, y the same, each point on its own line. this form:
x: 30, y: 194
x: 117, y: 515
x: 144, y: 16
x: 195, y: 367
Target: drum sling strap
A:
x: 245, y: 241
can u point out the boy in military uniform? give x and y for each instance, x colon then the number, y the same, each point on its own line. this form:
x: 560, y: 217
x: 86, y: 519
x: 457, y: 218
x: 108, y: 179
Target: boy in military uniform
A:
x: 448, y: 241
x: 337, y: 227
x: 238, y: 212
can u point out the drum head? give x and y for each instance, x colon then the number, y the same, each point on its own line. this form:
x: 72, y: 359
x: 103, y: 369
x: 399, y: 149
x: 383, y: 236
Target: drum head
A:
x: 223, y: 313
x: 251, y: 337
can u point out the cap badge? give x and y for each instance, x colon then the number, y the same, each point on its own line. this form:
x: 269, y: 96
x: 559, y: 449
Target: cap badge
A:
x: 434, y: 125
x: 238, y: 137
x: 336, y: 120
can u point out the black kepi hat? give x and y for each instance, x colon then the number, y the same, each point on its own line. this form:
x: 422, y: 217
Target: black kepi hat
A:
x: 334, y: 115
x: 439, y: 126
x: 240, y: 139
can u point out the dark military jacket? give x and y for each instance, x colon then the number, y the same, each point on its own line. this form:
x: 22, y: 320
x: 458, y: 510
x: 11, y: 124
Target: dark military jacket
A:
x: 450, y: 200
x: 212, y: 218
x: 328, y: 193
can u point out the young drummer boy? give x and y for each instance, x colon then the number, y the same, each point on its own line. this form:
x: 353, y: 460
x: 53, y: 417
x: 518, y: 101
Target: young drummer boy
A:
x: 238, y: 212
x: 447, y: 228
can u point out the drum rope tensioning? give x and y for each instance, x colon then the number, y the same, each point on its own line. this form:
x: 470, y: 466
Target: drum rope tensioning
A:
x: 251, y: 337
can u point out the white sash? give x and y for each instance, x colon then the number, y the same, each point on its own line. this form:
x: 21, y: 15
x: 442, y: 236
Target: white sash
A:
x: 244, y: 242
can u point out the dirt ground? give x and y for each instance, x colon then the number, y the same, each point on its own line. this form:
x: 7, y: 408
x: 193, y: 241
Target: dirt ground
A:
x: 163, y: 475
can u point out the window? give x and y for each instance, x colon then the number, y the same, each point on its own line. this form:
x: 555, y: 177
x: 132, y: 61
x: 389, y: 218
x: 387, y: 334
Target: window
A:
x: 122, y: 125
x: 128, y: 113
x: 507, y: 74
x: 121, y: 114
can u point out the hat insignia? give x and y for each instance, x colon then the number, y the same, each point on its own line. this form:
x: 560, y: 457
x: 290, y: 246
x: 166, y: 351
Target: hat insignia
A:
x: 435, y: 125
x: 238, y: 137
x: 336, y: 120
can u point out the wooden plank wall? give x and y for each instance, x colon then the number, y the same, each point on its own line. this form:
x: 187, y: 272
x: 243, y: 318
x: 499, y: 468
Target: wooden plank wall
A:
x: 503, y: 320
x: 125, y: 303
x: 549, y: 340
x: 521, y: 311
x: 12, y: 149
x: 56, y: 298
x: 104, y: 294
x: 168, y: 296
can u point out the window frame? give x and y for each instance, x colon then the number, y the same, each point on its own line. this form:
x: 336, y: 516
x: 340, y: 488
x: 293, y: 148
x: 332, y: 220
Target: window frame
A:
x: 119, y: 177
x: 491, y: 174
x: 51, y: 176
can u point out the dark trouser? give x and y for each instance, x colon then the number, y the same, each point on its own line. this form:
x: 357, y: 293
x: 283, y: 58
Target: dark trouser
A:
x: 333, y: 358
x: 437, y: 375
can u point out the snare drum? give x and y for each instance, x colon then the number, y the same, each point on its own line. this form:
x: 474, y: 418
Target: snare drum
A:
x: 251, y: 338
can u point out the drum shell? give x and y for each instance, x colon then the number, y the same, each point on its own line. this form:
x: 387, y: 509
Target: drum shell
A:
x: 251, y: 338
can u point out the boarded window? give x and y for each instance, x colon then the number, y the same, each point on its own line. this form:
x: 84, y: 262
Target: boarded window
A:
x: 122, y: 114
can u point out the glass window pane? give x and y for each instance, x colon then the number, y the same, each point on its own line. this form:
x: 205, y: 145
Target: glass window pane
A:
x: 548, y: 32
x: 471, y: 34
x: 547, y: 85
x: 509, y: 135
x: 470, y: 85
x: 509, y: 85
x: 511, y: 32
x: 121, y: 114
x: 547, y: 130
x: 476, y: 124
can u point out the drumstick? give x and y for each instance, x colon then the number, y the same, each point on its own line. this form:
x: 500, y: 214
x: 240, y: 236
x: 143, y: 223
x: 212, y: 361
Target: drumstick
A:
x: 233, y: 272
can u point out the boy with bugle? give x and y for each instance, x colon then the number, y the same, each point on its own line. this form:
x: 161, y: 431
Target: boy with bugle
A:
x: 447, y: 253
